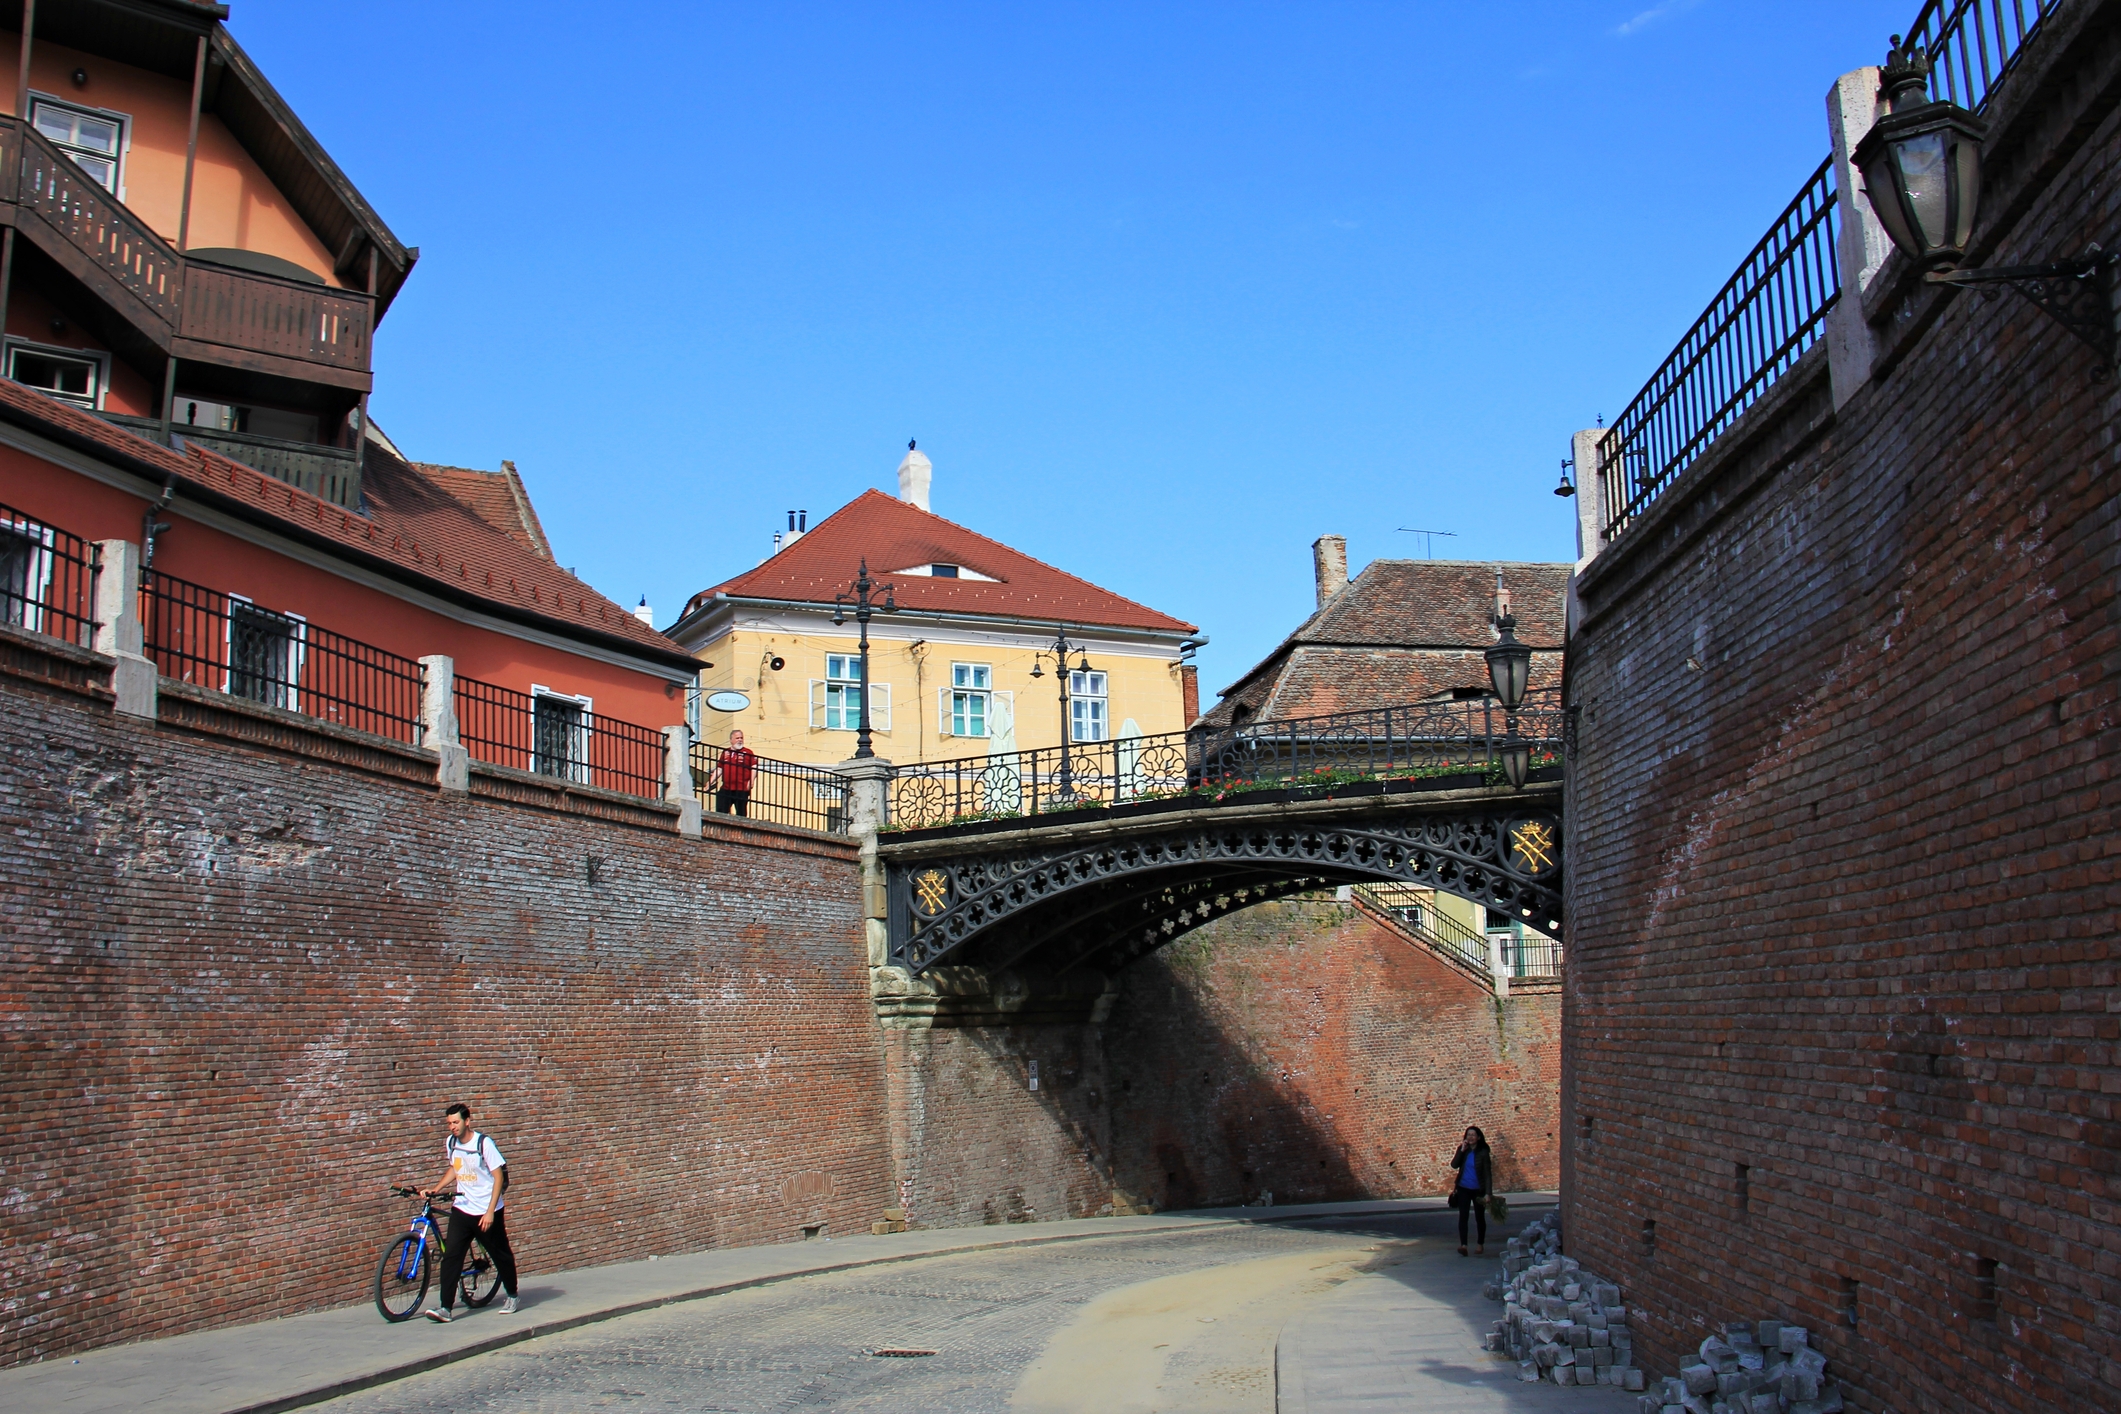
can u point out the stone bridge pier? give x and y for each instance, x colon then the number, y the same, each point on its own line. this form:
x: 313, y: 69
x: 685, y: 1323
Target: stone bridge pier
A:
x: 1192, y: 1007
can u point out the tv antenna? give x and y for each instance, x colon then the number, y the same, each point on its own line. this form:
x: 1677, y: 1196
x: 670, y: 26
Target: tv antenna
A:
x: 1429, y: 551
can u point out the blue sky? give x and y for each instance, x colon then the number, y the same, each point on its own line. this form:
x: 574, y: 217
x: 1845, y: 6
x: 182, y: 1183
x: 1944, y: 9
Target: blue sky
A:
x: 1166, y: 291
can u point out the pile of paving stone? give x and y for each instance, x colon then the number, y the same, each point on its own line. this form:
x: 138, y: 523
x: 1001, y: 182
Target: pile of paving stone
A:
x: 1560, y: 1323
x: 1764, y: 1368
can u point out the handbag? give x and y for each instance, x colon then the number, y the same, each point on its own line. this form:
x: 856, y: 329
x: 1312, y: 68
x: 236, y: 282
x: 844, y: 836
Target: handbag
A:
x: 1498, y: 1207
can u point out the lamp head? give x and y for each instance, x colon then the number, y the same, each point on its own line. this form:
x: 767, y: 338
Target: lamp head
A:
x: 1921, y: 164
x: 1509, y: 664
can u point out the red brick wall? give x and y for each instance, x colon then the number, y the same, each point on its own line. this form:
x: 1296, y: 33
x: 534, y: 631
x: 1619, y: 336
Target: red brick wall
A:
x: 240, y: 986
x: 1841, y: 903
x: 1304, y: 1048
x: 1297, y: 1047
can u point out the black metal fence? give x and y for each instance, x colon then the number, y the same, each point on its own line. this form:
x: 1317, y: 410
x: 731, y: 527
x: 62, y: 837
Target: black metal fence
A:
x: 762, y: 788
x: 1972, y: 44
x: 559, y: 736
x: 226, y: 643
x: 1774, y: 307
x: 47, y: 579
x: 1761, y: 321
x: 1427, y: 738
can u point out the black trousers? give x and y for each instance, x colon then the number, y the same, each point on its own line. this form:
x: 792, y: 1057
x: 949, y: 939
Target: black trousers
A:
x: 733, y: 802
x: 1470, y: 1204
x: 462, y: 1228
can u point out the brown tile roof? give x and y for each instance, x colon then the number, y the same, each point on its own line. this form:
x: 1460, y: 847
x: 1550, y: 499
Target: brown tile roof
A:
x: 496, y: 497
x: 895, y: 535
x: 413, y: 531
x: 1401, y: 632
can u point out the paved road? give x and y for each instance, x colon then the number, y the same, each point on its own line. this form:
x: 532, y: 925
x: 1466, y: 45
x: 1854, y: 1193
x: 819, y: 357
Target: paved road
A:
x: 1182, y: 1322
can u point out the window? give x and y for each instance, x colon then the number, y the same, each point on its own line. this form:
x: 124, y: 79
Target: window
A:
x: 836, y: 699
x: 94, y: 139
x: 25, y: 573
x: 940, y: 571
x: 559, y: 735
x: 209, y: 416
x: 264, y: 655
x: 1086, y: 706
x: 71, y: 375
x: 969, y: 685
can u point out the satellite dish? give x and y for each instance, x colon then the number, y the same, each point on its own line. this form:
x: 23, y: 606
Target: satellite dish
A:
x: 728, y: 701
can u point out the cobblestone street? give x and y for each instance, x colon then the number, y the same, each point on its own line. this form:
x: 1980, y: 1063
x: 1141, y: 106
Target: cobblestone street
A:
x: 1184, y: 1322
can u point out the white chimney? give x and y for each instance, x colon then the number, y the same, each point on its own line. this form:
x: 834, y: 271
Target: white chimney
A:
x: 913, y: 476
x: 798, y: 527
x: 645, y: 614
x: 1329, y: 562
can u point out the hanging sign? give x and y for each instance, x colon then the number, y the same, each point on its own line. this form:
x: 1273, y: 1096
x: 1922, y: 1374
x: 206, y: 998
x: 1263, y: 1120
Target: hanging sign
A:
x: 728, y: 701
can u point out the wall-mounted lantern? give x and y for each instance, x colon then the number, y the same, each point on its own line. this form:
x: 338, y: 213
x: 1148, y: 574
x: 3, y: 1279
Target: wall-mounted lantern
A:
x: 1921, y: 166
x: 1509, y: 664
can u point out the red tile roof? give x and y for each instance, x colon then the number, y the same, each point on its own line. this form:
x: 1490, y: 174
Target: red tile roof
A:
x: 413, y: 530
x: 496, y: 497
x: 893, y: 535
x: 1401, y: 632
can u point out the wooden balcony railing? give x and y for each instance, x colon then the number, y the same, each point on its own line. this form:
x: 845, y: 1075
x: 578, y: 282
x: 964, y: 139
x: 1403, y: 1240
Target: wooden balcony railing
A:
x: 242, y: 312
x: 332, y: 473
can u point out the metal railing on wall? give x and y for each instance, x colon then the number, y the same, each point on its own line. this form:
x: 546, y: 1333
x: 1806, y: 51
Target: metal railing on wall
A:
x: 1774, y: 307
x: 47, y: 579
x: 228, y: 644
x: 761, y: 788
x: 548, y: 734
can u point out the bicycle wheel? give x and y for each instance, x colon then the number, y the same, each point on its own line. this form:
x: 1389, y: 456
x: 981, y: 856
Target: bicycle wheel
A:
x: 402, y: 1277
x: 482, y: 1277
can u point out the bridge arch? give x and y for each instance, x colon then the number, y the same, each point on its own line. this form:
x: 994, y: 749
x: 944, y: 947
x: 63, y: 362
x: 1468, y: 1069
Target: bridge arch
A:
x: 1103, y: 894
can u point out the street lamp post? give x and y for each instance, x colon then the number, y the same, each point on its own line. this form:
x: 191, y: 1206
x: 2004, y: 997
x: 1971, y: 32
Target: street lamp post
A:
x: 1510, y: 671
x: 862, y: 598
x: 1060, y: 650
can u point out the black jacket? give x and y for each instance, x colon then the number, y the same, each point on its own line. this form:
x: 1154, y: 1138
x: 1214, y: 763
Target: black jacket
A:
x: 1483, y: 1165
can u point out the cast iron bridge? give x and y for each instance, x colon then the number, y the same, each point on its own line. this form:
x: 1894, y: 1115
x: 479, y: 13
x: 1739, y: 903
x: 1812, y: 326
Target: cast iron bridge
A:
x: 1094, y: 855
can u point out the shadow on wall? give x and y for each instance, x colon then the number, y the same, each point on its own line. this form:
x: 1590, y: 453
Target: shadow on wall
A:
x: 1297, y: 1048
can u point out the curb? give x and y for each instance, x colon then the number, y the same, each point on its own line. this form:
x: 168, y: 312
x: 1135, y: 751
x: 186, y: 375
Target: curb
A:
x: 1193, y: 1222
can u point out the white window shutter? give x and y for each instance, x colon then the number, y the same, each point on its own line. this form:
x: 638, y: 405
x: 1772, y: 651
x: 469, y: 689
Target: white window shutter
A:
x: 817, y: 702
x: 880, y: 707
x: 942, y: 711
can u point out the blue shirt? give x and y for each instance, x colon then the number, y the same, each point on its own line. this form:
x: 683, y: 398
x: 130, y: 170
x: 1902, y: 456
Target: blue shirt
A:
x: 1471, y: 1177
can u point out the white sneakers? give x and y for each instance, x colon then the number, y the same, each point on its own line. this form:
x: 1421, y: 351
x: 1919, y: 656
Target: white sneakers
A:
x: 436, y: 1313
x: 508, y: 1306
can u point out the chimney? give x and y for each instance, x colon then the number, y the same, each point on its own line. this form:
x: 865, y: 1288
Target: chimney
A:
x: 1329, y: 561
x: 913, y: 475
x: 645, y: 614
x: 798, y: 527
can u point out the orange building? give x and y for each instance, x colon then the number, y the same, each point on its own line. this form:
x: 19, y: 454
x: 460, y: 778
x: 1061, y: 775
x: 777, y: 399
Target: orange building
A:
x: 188, y: 287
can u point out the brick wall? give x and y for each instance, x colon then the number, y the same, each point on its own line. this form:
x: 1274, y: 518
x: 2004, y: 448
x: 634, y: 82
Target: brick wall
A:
x: 241, y: 984
x: 1301, y: 1048
x: 1841, y: 1013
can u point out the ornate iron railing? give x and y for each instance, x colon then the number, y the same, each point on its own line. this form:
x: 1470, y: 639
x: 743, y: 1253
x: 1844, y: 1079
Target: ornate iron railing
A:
x: 47, y: 579
x: 558, y: 736
x: 219, y: 641
x: 1428, y: 738
x: 783, y: 792
x: 1774, y: 307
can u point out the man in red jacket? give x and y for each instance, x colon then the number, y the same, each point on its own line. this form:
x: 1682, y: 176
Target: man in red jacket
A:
x: 732, y: 794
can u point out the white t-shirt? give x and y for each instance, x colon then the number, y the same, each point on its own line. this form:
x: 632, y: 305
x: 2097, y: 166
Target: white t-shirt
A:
x: 474, y: 1181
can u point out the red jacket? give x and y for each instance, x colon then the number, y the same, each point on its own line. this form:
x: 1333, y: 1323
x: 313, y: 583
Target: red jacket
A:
x: 737, y: 764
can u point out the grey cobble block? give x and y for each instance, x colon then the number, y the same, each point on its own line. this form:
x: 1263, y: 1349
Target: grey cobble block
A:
x: 1700, y: 1379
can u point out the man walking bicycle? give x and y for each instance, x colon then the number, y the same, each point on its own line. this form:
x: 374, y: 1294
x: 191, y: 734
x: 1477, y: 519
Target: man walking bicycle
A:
x: 481, y: 1177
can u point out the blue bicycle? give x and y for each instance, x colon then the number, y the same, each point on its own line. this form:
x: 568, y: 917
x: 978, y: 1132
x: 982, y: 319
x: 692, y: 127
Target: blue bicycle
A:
x: 410, y: 1263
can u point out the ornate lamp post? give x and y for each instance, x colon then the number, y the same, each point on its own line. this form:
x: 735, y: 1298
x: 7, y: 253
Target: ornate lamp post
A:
x: 1060, y: 650
x: 862, y: 598
x: 1921, y: 166
x: 1510, y: 670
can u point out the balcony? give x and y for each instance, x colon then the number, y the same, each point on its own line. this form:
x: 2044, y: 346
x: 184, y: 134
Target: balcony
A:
x: 332, y: 473
x: 199, y: 313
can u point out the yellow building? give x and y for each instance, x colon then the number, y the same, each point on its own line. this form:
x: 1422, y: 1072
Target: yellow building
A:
x: 953, y: 669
